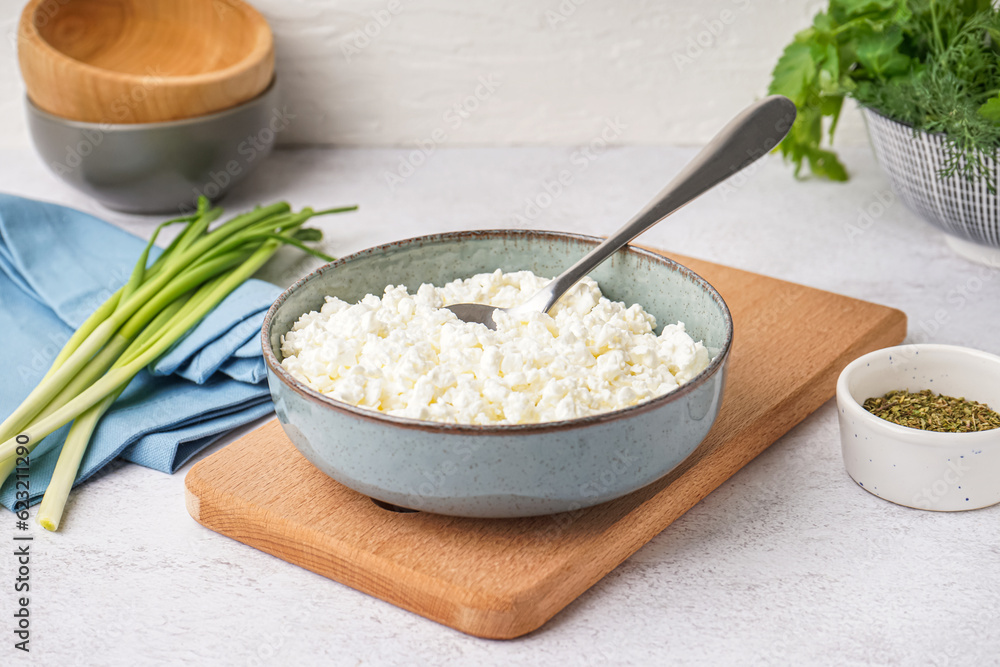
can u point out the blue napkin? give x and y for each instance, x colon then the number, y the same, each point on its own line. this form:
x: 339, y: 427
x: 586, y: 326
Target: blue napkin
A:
x: 56, y: 266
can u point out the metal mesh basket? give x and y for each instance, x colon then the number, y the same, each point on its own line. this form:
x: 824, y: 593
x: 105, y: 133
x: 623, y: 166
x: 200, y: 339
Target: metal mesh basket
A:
x: 960, y: 207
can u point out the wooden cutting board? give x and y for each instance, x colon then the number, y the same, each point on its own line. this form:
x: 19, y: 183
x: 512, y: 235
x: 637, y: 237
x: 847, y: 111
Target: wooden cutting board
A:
x: 501, y: 578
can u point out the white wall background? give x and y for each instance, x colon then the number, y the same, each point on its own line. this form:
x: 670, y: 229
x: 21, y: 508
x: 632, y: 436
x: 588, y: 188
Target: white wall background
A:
x: 391, y: 72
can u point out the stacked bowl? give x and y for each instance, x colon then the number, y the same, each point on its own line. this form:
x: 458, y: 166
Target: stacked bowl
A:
x: 145, y: 105
x: 967, y: 211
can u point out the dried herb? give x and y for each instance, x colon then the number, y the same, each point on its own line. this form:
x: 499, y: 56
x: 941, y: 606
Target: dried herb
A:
x: 933, y: 412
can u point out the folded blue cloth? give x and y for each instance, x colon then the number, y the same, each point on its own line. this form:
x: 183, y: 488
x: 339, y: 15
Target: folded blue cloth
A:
x: 56, y: 266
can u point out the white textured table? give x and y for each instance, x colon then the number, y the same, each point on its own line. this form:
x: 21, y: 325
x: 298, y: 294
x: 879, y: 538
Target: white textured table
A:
x: 787, y: 563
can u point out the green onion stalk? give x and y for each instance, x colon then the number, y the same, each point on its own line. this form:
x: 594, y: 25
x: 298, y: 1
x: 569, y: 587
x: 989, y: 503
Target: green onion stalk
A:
x: 139, y: 323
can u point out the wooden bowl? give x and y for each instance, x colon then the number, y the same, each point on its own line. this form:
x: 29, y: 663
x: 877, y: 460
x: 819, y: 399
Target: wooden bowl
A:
x: 143, y: 61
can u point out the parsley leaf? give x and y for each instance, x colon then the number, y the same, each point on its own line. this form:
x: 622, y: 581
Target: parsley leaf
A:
x: 932, y: 64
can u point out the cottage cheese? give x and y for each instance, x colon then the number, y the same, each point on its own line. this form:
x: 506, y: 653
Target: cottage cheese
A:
x: 406, y: 355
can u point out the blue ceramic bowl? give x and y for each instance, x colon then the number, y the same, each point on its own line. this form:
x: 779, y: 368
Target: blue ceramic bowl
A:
x: 514, y: 470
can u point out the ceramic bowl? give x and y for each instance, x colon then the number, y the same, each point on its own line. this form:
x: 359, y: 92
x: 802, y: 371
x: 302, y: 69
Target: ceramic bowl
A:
x: 922, y: 469
x: 143, y: 61
x: 159, y: 167
x: 509, y: 470
x: 966, y: 211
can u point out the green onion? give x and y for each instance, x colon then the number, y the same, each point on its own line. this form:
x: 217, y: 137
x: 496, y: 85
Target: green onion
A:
x: 54, y: 501
x: 139, y: 323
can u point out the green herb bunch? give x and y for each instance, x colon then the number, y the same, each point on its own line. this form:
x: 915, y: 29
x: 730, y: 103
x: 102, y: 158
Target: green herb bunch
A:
x: 159, y: 304
x: 932, y: 64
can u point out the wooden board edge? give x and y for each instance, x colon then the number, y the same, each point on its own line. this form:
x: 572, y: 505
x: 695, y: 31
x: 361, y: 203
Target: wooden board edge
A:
x: 552, y: 594
x: 515, y: 613
x: 489, y: 616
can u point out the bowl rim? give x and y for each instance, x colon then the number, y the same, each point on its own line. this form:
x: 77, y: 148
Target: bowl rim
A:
x: 263, y: 45
x: 915, y: 436
x: 160, y: 124
x: 870, y: 109
x: 276, y: 370
x: 915, y: 132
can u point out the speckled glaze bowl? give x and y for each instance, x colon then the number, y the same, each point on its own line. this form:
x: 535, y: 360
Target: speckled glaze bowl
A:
x: 514, y: 470
x: 926, y: 470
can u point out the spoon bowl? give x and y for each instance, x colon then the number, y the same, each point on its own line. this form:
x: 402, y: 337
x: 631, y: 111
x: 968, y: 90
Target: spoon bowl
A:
x: 753, y: 133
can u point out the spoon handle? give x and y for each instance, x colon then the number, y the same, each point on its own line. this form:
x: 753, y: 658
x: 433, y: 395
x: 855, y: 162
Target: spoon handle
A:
x: 751, y: 134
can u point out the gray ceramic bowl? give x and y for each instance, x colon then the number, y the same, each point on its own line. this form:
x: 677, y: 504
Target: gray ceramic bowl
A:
x: 159, y: 167
x: 501, y: 471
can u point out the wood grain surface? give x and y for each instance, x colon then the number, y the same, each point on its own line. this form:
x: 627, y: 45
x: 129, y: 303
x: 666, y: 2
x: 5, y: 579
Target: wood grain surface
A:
x: 143, y: 61
x: 502, y: 578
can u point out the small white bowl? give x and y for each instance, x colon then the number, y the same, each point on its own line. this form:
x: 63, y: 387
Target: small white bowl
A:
x: 928, y: 470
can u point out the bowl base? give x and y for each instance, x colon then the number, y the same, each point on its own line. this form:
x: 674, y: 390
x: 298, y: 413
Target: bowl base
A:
x: 976, y: 252
x: 915, y: 506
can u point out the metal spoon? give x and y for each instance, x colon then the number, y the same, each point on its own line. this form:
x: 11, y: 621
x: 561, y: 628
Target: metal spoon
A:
x: 753, y: 133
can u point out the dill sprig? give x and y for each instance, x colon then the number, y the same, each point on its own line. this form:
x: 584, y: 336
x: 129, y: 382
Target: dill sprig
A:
x: 934, y: 65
